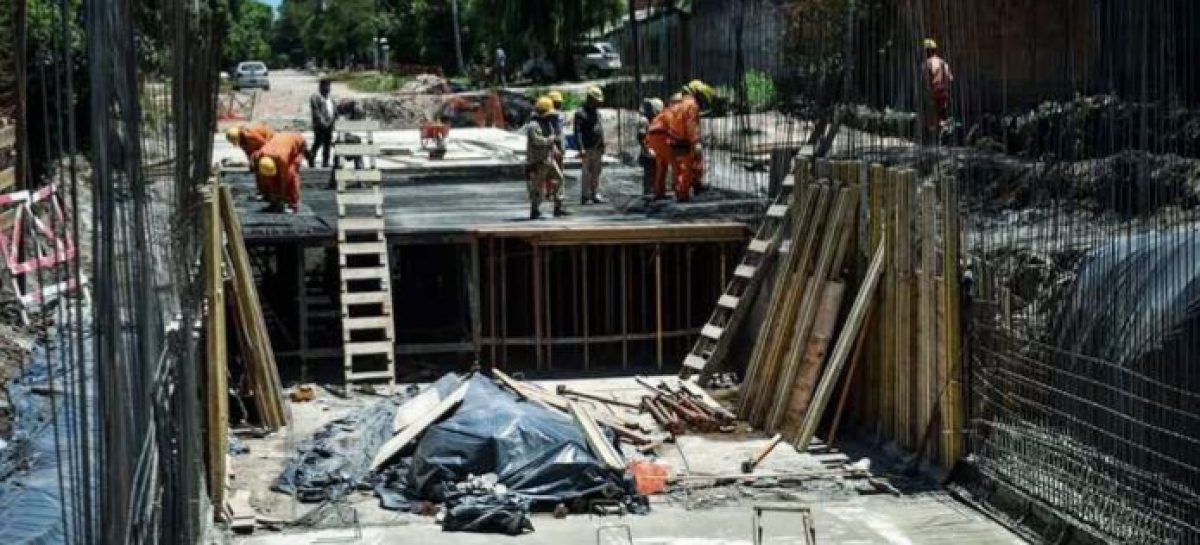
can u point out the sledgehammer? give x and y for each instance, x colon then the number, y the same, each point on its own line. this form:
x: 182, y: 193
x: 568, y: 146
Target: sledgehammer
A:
x: 749, y: 465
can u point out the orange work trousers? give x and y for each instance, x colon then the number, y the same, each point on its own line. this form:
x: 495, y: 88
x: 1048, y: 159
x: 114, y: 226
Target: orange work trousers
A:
x: 686, y: 166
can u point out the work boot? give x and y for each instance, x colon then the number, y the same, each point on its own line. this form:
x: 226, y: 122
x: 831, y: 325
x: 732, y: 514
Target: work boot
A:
x: 535, y: 212
x: 559, y: 211
x: 599, y: 199
x: 698, y: 189
x: 584, y: 201
x: 273, y: 208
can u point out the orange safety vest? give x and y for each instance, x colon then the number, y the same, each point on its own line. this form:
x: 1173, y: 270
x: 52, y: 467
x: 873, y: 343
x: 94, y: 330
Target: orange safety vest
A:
x: 684, y: 122
x: 254, y: 137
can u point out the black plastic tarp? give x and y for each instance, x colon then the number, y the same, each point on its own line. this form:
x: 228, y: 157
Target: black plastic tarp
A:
x: 536, y: 452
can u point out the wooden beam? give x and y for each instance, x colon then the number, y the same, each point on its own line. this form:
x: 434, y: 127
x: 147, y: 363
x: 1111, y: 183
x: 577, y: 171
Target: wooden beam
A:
x: 418, y: 426
x: 622, y: 428
x: 842, y: 350
x: 927, y: 334
x: 658, y: 303
x: 907, y: 431
x: 599, y: 445
x: 953, y: 422
x: 8, y: 179
x: 217, y: 405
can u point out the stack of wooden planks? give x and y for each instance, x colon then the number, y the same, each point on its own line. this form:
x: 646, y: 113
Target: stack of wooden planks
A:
x: 253, y: 342
x: 903, y: 325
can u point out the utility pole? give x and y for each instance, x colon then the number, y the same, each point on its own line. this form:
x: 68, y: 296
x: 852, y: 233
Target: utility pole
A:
x: 462, y: 69
x: 637, y: 51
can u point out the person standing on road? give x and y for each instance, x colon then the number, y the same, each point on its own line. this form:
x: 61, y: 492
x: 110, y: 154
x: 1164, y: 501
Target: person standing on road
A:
x: 501, y: 66
x: 589, y: 135
x: 324, y: 117
x: 544, y: 177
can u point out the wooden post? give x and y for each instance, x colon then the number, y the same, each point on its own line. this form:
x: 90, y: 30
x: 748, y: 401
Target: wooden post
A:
x: 216, y: 349
x: 908, y: 434
x: 873, y: 377
x: 536, y: 266
x: 302, y: 312
x: 492, y: 299
x: 583, y: 288
x: 953, y: 422
x: 624, y: 307
x: 548, y: 329
x: 889, y: 375
x: 658, y: 306
x: 474, y: 298
x: 503, y: 303
x: 927, y: 334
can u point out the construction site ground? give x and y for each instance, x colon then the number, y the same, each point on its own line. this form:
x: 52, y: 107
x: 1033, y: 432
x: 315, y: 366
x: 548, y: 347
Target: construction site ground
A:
x: 853, y: 500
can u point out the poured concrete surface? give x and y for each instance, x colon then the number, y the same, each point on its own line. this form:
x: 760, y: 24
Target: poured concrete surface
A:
x: 845, y: 509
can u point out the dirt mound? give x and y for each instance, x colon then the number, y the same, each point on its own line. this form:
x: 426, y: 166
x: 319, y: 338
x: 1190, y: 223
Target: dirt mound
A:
x: 426, y: 84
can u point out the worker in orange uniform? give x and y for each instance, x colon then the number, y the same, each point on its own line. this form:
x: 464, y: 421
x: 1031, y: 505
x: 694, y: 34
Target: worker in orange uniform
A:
x: 939, y: 77
x: 250, y: 138
x: 674, y: 137
x: 277, y: 165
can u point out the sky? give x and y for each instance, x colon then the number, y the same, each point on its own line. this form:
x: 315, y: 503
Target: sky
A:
x: 272, y: 3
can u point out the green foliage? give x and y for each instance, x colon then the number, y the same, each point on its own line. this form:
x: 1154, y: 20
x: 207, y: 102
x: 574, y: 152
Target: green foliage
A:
x: 374, y: 82
x: 249, y: 32
x: 760, y: 90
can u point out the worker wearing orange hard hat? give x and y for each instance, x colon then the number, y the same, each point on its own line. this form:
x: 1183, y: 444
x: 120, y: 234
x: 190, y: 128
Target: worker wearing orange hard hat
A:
x: 277, y: 167
x: 250, y: 138
x: 674, y: 137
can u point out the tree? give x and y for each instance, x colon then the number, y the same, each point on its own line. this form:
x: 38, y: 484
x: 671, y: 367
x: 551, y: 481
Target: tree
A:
x: 249, y: 32
x: 537, y: 27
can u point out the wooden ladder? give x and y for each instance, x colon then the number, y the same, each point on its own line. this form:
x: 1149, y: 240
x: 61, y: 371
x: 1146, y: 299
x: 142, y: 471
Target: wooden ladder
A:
x: 716, y: 336
x: 368, y: 326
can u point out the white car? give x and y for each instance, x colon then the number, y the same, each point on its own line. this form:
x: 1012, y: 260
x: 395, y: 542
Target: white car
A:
x: 251, y: 75
x: 596, y: 59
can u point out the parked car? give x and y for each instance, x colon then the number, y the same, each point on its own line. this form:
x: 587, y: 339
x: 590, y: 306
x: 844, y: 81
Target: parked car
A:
x: 596, y: 59
x: 251, y: 75
x: 539, y: 69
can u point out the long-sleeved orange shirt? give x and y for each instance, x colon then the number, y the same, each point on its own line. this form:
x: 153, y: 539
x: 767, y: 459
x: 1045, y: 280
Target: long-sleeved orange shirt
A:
x: 254, y: 137
x: 684, y: 122
x: 287, y: 149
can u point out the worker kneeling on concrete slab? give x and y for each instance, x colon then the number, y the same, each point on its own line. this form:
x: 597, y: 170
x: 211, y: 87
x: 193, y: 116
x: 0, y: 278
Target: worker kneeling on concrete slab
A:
x: 544, y: 177
x: 251, y: 138
x: 589, y: 134
x: 277, y: 166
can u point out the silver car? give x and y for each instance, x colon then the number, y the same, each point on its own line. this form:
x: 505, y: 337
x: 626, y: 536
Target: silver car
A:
x: 251, y: 75
x: 596, y: 59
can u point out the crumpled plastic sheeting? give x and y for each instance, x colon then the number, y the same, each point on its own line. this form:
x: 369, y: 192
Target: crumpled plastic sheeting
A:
x: 1133, y: 297
x: 535, y: 452
x: 337, y: 458
x: 31, y: 502
x: 505, y: 514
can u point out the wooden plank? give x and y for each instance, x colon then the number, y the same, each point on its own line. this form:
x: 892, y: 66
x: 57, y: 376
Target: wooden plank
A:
x: 953, y: 417
x: 242, y: 518
x: 623, y: 429
x: 759, y: 246
x: 745, y: 271
x: 360, y: 197
x: 777, y: 210
x: 365, y: 273
x: 927, y: 334
x: 712, y: 332
x: 261, y: 361
x: 368, y: 348
x: 367, y: 322
x: 836, y: 231
x: 216, y: 389
x: 8, y: 179
x: 815, y: 351
x: 906, y: 431
x: 707, y: 400
x: 370, y: 375
x: 346, y: 225
x: 356, y: 150
x: 695, y: 362
x: 362, y: 248
x: 367, y: 298
x: 359, y: 125
x: 600, y: 446
x: 842, y: 350
x: 397, y: 443
x: 414, y: 409
x: 8, y: 137
x: 728, y: 301
x: 346, y: 176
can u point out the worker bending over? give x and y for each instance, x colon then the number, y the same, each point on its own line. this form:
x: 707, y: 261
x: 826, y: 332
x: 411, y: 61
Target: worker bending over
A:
x: 939, y: 77
x: 589, y: 134
x: 674, y: 137
x: 250, y: 138
x: 278, y: 170
x: 545, y: 178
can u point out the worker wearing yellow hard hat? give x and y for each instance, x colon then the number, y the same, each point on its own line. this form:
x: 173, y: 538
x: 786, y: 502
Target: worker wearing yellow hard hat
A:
x: 277, y: 170
x: 589, y: 136
x: 560, y: 122
x: 939, y: 76
x: 250, y: 138
x: 544, y: 177
x: 674, y: 139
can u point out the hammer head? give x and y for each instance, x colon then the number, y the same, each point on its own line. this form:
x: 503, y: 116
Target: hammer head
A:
x: 562, y: 389
x: 747, y: 466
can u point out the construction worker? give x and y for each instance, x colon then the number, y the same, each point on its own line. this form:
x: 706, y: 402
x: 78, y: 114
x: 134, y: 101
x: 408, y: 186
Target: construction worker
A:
x: 651, y: 107
x: 674, y: 137
x: 324, y: 117
x: 939, y: 77
x: 560, y: 121
x: 545, y: 178
x: 500, y: 66
x: 277, y: 166
x: 589, y: 135
x: 250, y: 138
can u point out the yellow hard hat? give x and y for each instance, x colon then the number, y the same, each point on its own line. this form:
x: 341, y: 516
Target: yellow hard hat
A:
x: 267, y: 167
x: 544, y: 105
x: 930, y: 43
x: 556, y: 96
x: 234, y: 134
x: 595, y: 93
x: 697, y: 87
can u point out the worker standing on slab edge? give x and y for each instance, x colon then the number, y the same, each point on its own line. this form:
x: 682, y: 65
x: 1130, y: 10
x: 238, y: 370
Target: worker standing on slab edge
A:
x: 251, y: 138
x: 674, y: 136
x: 277, y: 166
x: 939, y: 77
x: 560, y: 121
x: 324, y: 117
x: 544, y: 177
x: 589, y: 135
x: 651, y: 107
